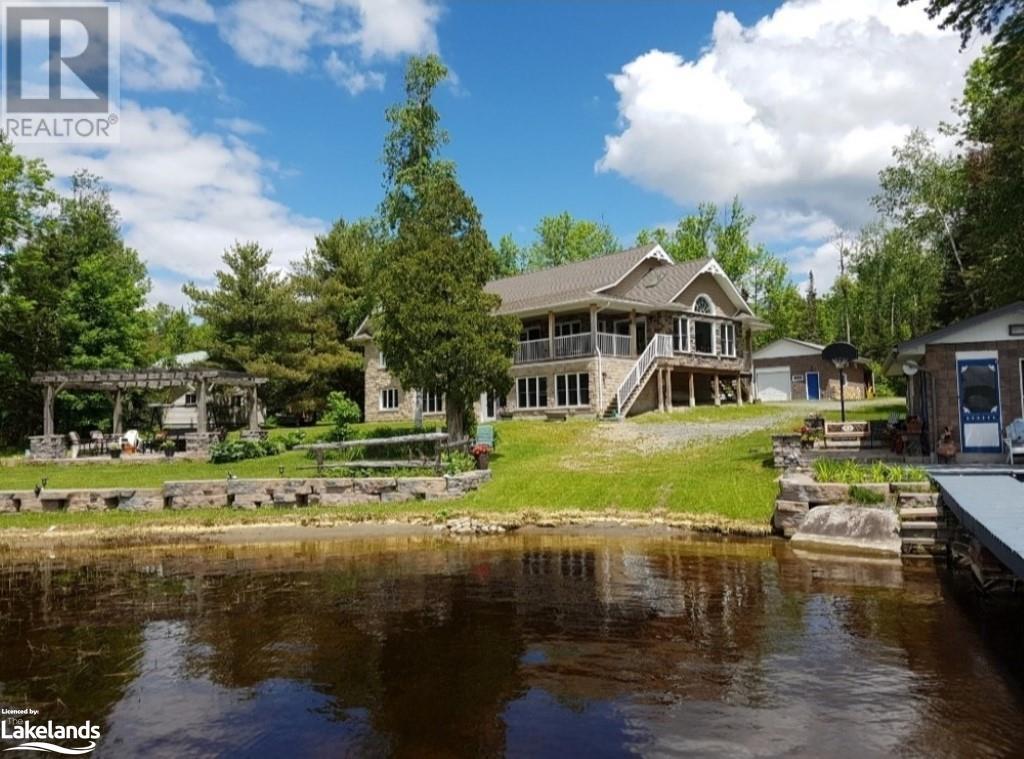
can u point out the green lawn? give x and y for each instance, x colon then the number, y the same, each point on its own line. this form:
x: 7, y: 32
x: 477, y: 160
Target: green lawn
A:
x: 870, y: 411
x: 579, y: 465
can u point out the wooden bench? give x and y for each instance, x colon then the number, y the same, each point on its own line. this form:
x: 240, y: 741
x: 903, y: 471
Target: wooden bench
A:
x: 439, y: 439
x: 846, y: 434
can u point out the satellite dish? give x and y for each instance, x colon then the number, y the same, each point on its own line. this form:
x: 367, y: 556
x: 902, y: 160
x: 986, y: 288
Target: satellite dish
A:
x: 910, y: 368
x: 840, y: 354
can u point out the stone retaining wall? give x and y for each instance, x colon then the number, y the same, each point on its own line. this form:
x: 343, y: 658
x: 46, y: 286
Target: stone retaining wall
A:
x: 247, y: 494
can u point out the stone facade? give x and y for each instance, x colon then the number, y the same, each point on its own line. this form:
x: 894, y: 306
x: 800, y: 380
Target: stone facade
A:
x: 857, y: 377
x: 376, y: 379
x: 48, y: 447
x: 248, y: 494
x: 940, y: 364
x: 199, y: 443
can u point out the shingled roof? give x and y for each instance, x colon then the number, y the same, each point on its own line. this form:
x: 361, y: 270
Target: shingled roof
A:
x: 566, y: 283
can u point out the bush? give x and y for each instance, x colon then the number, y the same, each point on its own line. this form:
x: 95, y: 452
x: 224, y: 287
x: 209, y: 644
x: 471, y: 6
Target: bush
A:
x: 864, y: 496
x: 342, y: 412
x: 292, y: 439
x: 457, y: 462
x: 851, y: 473
x: 240, y: 450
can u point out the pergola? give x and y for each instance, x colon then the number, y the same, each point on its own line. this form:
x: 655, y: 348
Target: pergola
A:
x: 117, y: 381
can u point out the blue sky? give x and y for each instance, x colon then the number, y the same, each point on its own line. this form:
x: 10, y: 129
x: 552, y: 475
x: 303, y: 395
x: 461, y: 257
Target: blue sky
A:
x: 264, y: 119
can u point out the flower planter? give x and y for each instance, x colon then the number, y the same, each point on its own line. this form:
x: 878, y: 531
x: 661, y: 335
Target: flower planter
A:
x: 483, y: 461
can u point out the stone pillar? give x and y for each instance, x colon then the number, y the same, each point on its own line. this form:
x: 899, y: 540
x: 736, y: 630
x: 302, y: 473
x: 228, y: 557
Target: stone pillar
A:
x: 47, y: 447
x: 118, y: 427
x: 717, y: 391
x: 551, y: 334
x: 693, y: 391
x: 661, y: 390
x: 198, y: 443
x: 668, y: 391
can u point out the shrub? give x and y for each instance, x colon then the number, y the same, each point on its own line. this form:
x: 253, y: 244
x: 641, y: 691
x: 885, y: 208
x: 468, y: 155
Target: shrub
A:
x: 457, y: 462
x: 851, y: 473
x: 240, y: 450
x: 864, y: 496
x: 292, y: 439
x: 342, y: 412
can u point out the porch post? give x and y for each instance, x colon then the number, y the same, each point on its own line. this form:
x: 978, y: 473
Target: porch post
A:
x: 551, y: 334
x: 661, y: 390
x: 668, y: 390
x: 254, y: 410
x: 693, y: 391
x: 201, y: 421
x: 739, y: 389
x: 632, y: 333
x: 593, y: 328
x: 718, y: 391
x: 48, y: 410
x: 118, y: 403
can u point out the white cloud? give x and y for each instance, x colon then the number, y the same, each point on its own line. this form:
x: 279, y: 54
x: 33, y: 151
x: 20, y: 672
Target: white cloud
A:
x: 796, y: 114
x: 155, y: 54
x: 241, y: 127
x: 351, y: 78
x: 186, y: 195
x: 286, y: 35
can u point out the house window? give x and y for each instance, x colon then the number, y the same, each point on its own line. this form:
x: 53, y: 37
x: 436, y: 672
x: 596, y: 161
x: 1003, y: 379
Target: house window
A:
x: 704, y: 337
x: 531, y: 333
x: 703, y: 305
x: 381, y: 361
x: 567, y: 328
x: 191, y: 399
x: 573, y: 389
x: 433, y: 403
x: 727, y: 339
x: 532, y: 391
x: 389, y: 399
x: 681, y: 335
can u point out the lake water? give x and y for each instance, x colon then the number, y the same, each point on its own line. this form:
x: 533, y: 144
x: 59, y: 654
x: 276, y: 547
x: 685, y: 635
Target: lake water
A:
x: 526, y: 645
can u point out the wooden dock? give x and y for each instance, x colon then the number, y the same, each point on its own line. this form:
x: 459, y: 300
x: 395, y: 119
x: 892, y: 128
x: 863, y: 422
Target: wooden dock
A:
x: 990, y: 506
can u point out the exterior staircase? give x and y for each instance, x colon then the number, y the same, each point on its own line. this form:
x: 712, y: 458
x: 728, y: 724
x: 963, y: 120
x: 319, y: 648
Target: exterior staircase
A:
x: 923, y: 524
x: 638, y: 376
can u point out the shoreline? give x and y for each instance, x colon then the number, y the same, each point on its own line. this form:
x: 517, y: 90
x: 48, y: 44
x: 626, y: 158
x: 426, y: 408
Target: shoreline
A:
x: 15, y: 539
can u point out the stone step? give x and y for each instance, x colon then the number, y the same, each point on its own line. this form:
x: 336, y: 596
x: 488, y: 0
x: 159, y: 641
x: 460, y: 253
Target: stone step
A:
x: 924, y: 541
x: 919, y: 499
x: 913, y: 513
x: 917, y: 526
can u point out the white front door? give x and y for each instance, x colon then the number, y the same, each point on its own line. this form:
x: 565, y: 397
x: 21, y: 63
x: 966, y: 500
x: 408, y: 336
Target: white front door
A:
x: 488, y: 407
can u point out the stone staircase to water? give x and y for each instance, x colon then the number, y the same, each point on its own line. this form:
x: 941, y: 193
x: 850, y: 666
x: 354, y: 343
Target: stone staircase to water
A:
x: 924, y: 524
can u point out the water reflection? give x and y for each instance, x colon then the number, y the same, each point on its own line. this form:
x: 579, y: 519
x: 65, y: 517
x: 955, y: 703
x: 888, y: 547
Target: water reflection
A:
x: 526, y: 645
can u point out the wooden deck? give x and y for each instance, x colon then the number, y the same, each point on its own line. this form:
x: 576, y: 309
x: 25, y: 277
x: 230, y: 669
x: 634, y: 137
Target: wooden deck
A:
x: 991, y: 506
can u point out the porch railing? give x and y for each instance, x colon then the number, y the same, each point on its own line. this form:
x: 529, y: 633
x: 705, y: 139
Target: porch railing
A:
x: 533, y: 350
x: 571, y: 346
x: 614, y: 345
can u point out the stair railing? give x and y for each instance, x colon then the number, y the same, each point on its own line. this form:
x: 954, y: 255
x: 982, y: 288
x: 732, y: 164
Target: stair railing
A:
x: 659, y: 347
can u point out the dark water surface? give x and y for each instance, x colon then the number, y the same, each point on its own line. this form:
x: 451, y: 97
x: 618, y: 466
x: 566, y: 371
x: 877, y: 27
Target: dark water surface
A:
x: 527, y: 645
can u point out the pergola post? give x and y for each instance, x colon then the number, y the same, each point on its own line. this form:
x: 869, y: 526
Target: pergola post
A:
x: 254, y: 410
x: 48, y: 397
x: 693, y: 391
x: 118, y: 427
x: 201, y: 422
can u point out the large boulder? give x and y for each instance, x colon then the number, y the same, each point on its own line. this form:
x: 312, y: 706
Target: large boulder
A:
x: 853, y: 529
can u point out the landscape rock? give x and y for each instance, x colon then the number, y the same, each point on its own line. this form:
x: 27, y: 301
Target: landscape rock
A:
x: 788, y: 516
x: 856, y: 529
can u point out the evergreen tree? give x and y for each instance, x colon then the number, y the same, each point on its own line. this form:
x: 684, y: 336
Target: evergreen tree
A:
x: 433, y: 320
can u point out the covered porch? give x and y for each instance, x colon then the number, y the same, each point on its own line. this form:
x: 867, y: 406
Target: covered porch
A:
x: 579, y: 334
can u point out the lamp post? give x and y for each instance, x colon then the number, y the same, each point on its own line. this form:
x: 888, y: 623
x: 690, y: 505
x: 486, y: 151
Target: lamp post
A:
x: 841, y: 355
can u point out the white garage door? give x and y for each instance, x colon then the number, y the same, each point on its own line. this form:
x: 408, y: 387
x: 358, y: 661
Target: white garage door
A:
x: 773, y: 385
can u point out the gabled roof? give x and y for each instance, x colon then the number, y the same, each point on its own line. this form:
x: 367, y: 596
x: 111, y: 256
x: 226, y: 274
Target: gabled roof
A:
x: 918, y: 343
x: 570, y: 282
x: 792, y: 340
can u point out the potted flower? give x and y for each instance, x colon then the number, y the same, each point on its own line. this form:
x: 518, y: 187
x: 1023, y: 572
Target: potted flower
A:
x: 807, y: 436
x: 114, y: 449
x: 482, y: 453
x: 169, y: 447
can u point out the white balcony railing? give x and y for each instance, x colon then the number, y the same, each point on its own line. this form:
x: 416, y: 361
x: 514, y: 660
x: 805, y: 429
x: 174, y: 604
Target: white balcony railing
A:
x: 614, y: 345
x: 571, y: 346
x: 533, y: 350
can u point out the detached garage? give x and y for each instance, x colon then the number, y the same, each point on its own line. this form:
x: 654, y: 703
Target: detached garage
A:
x: 793, y: 370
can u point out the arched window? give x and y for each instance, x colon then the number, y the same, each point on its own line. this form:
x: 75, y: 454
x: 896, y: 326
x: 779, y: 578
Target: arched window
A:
x: 703, y: 305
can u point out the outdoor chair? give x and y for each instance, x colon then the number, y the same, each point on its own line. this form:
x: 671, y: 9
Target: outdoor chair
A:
x: 1014, y: 440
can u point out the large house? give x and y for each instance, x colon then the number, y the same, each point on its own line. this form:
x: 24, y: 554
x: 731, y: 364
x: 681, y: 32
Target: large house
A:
x: 793, y: 370
x: 968, y: 377
x: 612, y: 336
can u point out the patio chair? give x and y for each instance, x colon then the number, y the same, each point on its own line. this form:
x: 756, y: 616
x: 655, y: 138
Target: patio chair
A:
x: 1014, y: 440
